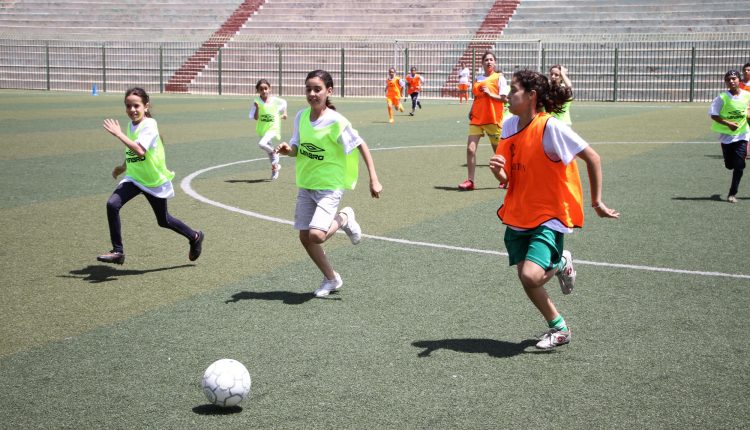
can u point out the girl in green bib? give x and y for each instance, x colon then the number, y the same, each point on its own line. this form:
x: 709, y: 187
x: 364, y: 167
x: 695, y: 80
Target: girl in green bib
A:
x: 146, y: 173
x: 729, y: 112
x: 559, y: 75
x: 323, y: 143
x: 268, y: 110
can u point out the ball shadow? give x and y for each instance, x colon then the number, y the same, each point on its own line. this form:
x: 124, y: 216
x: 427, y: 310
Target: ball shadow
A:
x: 210, y: 409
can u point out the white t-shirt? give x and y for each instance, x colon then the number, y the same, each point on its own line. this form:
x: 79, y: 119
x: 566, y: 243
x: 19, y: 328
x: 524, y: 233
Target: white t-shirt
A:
x: 147, y: 138
x: 560, y: 143
x: 349, y: 137
x: 464, y: 76
x: 715, y: 109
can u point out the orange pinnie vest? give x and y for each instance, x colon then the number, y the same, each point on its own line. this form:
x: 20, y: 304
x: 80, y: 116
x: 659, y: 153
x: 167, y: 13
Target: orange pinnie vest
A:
x: 414, y: 83
x: 393, y: 87
x: 486, y: 110
x: 539, y: 189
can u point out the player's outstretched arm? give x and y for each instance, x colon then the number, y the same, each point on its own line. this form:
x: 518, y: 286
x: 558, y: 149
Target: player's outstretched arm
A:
x: 594, y: 168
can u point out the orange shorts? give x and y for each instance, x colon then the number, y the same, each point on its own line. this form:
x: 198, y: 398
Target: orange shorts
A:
x: 463, y: 87
x: 393, y: 100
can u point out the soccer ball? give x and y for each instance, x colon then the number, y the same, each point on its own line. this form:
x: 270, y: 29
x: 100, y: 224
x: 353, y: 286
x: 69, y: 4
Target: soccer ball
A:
x: 226, y: 382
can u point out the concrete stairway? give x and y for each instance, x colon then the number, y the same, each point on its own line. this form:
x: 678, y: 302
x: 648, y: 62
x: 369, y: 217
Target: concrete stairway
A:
x: 496, y: 20
x: 209, y: 49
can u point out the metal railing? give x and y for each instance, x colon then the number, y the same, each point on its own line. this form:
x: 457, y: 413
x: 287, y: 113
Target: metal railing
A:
x: 602, y: 69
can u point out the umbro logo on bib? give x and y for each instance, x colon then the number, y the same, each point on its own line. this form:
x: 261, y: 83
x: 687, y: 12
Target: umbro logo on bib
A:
x: 309, y: 150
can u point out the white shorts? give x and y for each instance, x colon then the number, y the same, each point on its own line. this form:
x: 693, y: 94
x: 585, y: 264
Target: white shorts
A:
x: 316, y: 208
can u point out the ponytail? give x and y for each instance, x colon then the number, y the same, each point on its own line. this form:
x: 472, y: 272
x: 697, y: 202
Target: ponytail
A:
x: 550, y: 96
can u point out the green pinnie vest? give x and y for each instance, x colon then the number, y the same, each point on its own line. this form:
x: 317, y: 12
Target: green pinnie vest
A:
x: 268, y: 117
x: 733, y: 110
x: 322, y: 163
x: 151, y: 169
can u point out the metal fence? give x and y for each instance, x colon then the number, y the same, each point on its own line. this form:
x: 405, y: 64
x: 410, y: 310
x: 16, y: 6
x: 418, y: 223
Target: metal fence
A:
x: 601, y: 70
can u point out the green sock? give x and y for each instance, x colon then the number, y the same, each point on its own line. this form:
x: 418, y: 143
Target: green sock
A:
x: 561, y: 264
x: 558, y: 323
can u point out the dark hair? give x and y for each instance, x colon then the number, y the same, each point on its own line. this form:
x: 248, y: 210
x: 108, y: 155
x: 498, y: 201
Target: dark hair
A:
x: 732, y: 73
x: 261, y: 82
x: 140, y: 92
x: 550, y: 96
x: 486, y: 53
x: 327, y: 81
x: 746, y: 65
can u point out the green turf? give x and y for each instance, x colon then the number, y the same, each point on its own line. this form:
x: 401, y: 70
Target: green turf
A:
x: 419, y: 337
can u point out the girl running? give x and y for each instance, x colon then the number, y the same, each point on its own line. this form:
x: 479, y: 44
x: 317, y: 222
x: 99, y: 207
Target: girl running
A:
x: 268, y: 110
x: 486, y: 114
x: 414, y: 82
x: 393, y: 87
x: 559, y: 75
x: 729, y: 112
x: 146, y: 173
x: 324, y: 143
x: 545, y: 199
x: 464, y: 82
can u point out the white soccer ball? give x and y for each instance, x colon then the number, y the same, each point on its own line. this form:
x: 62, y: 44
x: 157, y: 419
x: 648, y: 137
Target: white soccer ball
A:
x: 226, y: 382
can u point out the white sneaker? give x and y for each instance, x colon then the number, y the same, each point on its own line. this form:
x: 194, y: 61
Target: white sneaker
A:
x: 351, y: 228
x: 567, y: 276
x: 329, y: 285
x: 552, y: 338
x: 275, y: 171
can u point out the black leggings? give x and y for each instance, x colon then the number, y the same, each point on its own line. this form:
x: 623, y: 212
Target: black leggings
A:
x: 415, y: 100
x: 734, y: 160
x: 123, y: 194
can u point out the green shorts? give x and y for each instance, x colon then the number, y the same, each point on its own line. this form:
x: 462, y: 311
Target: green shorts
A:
x: 541, y: 245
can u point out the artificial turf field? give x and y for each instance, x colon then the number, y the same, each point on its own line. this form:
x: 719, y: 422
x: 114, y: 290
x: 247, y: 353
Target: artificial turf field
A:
x: 431, y: 329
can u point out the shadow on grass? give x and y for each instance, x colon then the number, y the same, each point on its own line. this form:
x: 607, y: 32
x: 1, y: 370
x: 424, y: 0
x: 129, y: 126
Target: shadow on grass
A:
x: 102, y: 273
x: 287, y: 297
x: 209, y: 409
x: 455, y: 188
x: 491, y: 347
x: 712, y: 198
x: 246, y: 181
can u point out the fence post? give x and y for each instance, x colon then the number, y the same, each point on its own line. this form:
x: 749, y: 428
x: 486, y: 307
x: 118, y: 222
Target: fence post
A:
x: 46, y: 63
x: 406, y: 61
x: 104, y: 68
x: 692, y: 73
x: 342, y: 73
x: 281, y: 86
x: 614, y: 78
x: 161, y: 69
x: 542, y: 60
x: 219, y: 77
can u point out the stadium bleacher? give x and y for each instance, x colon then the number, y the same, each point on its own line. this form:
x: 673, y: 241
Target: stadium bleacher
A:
x: 535, y: 17
x: 239, y: 41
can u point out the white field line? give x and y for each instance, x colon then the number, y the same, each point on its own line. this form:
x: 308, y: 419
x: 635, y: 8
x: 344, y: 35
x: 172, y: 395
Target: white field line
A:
x: 185, y: 184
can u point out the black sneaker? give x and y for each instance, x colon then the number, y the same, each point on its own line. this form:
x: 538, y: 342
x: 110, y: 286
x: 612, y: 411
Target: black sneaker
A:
x: 112, y: 257
x: 195, y: 247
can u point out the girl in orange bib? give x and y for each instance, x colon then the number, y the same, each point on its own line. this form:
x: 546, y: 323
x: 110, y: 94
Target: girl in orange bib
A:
x: 393, y: 90
x: 536, y: 155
